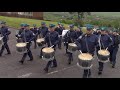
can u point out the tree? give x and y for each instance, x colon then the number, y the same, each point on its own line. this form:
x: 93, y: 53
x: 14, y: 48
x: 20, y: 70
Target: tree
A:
x: 80, y: 16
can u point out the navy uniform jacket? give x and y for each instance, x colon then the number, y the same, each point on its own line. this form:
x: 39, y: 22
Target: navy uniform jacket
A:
x: 105, y: 40
x: 116, y: 40
x: 27, y: 35
x: 79, y: 33
x: 52, y: 37
x: 20, y: 31
x: 59, y: 30
x: 43, y: 31
x: 90, y: 41
x: 5, y: 32
x: 70, y: 36
x: 35, y: 31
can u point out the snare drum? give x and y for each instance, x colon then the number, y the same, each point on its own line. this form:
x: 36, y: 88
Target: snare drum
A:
x: 72, y: 47
x: 103, y: 55
x: 1, y: 41
x: 85, y: 60
x: 48, y: 54
x: 40, y: 41
x: 21, y: 47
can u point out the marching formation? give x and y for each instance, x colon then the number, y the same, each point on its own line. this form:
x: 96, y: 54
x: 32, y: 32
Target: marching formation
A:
x: 101, y: 41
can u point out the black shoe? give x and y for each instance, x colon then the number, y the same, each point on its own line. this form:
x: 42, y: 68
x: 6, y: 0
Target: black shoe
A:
x: 46, y: 70
x: 100, y: 72
x: 30, y: 60
x: 113, y: 66
x: 69, y: 63
x: 21, y: 62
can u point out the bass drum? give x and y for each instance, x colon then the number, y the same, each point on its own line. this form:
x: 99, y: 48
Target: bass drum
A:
x: 48, y: 54
x: 85, y: 60
x: 21, y: 47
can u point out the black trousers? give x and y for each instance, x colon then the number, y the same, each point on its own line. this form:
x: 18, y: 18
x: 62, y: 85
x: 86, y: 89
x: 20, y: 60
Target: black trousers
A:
x: 87, y: 73
x: 29, y: 53
x: 113, y: 53
x: 54, y: 62
x: 60, y: 42
x: 5, y: 46
x: 70, y: 55
x: 35, y: 43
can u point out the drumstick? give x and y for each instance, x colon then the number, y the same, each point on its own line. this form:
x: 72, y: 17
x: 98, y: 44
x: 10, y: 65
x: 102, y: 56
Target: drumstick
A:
x: 80, y: 51
x: 52, y: 46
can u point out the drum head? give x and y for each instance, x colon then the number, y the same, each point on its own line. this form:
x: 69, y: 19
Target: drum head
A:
x: 40, y: 40
x: 21, y: 44
x: 85, y: 56
x: 72, y: 44
x: 104, y: 52
x: 48, y: 50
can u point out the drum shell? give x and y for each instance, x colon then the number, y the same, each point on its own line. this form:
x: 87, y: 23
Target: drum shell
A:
x: 48, y: 55
x: 40, y: 43
x: 103, y: 58
x: 72, y: 48
x: 85, y: 63
x: 21, y: 49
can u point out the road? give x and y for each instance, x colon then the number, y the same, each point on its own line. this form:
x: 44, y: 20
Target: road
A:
x: 11, y: 68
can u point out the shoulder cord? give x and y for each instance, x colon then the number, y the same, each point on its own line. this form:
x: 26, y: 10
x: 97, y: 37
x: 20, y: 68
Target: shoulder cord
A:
x: 102, y: 43
x: 49, y: 39
x: 87, y: 44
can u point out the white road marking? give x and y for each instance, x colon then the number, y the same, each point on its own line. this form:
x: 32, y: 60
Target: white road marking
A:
x: 25, y: 75
x: 60, y: 70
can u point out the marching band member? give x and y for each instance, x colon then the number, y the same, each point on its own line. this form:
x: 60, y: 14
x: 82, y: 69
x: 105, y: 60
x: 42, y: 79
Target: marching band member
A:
x: 70, y: 37
x: 105, y: 41
x: 114, y: 48
x: 27, y: 36
x: 35, y: 32
x: 51, y: 39
x: 4, y: 31
x: 19, y: 32
x: 87, y: 43
x: 59, y: 29
x: 79, y: 32
x: 42, y: 30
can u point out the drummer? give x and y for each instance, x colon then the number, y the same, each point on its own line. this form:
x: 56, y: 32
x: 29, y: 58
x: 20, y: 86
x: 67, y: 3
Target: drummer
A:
x: 59, y: 29
x: 43, y: 30
x: 19, y: 32
x: 70, y: 37
x: 4, y: 31
x: 114, y: 48
x: 51, y: 39
x: 79, y: 31
x: 27, y: 36
x: 87, y: 43
x: 105, y: 42
x: 35, y: 32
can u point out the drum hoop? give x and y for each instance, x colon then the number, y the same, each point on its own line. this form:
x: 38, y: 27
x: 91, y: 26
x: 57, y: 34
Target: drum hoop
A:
x: 71, y: 51
x: 50, y: 59
x: 84, y: 67
x: 103, y: 61
x: 21, y: 52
